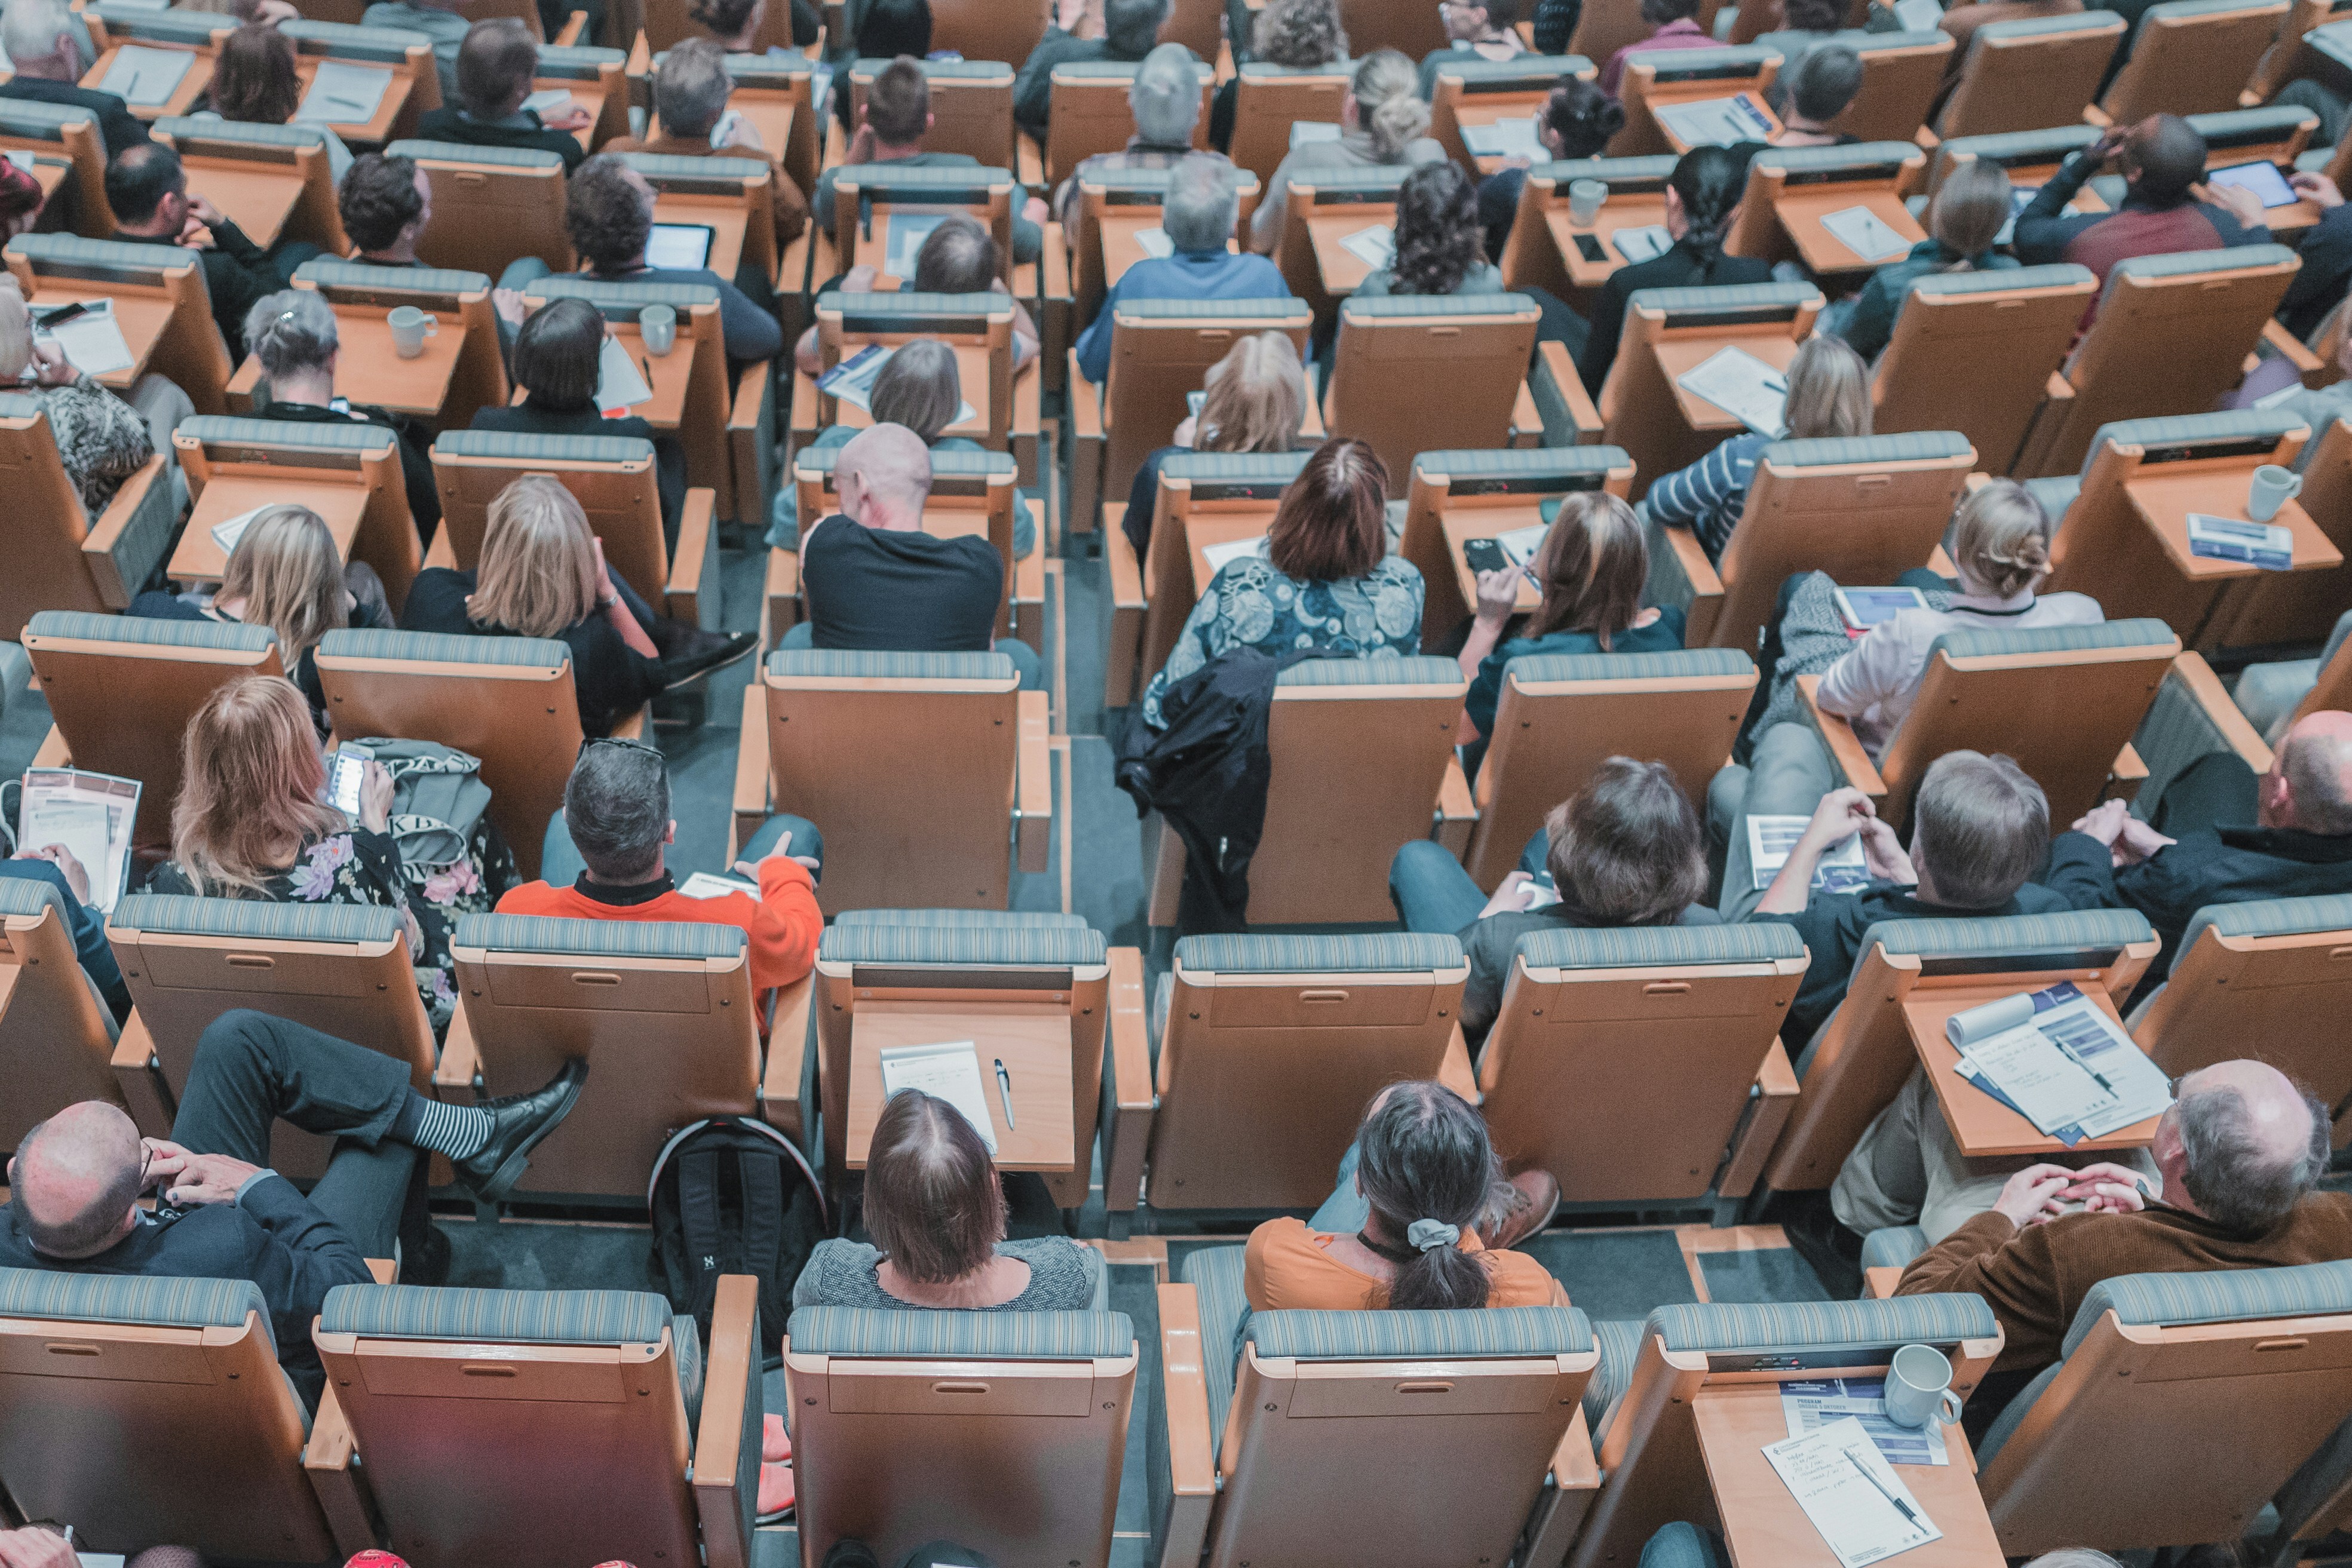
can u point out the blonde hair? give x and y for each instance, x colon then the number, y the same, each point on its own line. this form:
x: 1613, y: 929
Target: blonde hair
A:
x: 1387, y: 90
x: 1254, y: 397
x: 250, y: 777
x: 1969, y: 208
x: 1591, y: 568
x: 2000, y: 540
x: 16, y: 332
x: 286, y: 569
x: 920, y: 388
x: 1829, y: 391
x: 537, y: 574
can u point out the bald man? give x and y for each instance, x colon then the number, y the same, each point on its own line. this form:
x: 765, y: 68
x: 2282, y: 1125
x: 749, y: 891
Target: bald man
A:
x: 871, y: 579
x: 2235, y: 835
x: 2236, y: 1156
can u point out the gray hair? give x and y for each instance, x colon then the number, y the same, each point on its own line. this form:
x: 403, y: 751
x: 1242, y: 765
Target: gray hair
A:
x: 2236, y: 1182
x: 1201, y: 206
x: 291, y: 331
x: 1166, y: 97
x: 691, y: 91
x: 1983, y: 827
x: 29, y: 29
x: 2312, y: 766
x: 616, y: 805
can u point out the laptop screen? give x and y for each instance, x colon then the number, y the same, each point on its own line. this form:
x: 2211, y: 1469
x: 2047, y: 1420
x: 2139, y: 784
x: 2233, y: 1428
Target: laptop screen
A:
x: 681, y: 247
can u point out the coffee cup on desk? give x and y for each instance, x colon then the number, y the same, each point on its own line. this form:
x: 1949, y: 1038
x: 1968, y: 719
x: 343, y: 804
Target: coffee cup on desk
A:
x: 658, y: 325
x: 410, y: 327
x: 1919, y: 1388
x: 1584, y: 201
x: 2271, y: 488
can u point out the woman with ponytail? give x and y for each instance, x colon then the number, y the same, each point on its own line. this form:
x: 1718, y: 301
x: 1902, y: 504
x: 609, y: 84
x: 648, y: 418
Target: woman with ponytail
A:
x: 1413, y: 1189
x: 1575, y: 122
x: 1702, y: 194
x: 1382, y: 121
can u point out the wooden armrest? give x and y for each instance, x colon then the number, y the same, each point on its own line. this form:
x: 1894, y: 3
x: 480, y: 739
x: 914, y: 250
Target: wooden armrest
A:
x: 803, y: 411
x: 1085, y: 403
x: 697, y: 546
x: 2093, y: 114
x: 243, y: 386
x: 1583, y: 419
x: 1457, y: 813
x: 1705, y: 601
x: 1928, y: 140
x: 1846, y: 747
x: 2126, y: 774
x: 441, y: 552
x: 1454, y: 1068
x: 335, y: 1480
x: 1128, y: 1128
x: 1129, y: 605
x: 54, y: 751
x: 1526, y: 420
x: 1768, y: 1109
x: 2197, y: 677
x: 1880, y: 1283
x: 1573, y: 1468
x: 730, y: 1403
x: 1191, y: 1445
x: 1941, y: 564
x: 141, y: 1080
x: 568, y: 38
x: 782, y: 595
x: 1054, y: 264
x: 779, y: 1083
x: 385, y: 1270
x: 752, y: 753
x: 453, y: 1076
x: 102, y: 548
x: 2283, y: 343
x: 751, y: 440
x: 1034, y: 781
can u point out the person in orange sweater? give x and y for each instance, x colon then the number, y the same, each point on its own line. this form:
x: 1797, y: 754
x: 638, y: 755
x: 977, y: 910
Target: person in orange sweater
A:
x: 602, y: 860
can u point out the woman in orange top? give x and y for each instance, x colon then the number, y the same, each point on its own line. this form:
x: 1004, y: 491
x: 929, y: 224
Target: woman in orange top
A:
x: 1424, y: 1166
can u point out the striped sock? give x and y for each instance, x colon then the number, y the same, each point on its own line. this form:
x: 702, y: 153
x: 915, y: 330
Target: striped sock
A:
x: 456, y: 1131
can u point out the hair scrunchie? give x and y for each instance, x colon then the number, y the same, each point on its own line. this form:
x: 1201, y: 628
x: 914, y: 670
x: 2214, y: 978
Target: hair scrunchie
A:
x: 1429, y: 1235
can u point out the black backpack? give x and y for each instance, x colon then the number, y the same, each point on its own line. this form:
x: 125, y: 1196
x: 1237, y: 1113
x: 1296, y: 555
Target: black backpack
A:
x: 730, y: 1194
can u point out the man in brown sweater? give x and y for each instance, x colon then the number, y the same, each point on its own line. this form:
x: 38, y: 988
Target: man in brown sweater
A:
x: 2238, y: 1153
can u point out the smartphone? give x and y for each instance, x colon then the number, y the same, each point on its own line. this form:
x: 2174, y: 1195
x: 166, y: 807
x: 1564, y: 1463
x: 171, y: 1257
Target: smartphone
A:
x: 349, y: 771
x: 1590, y: 249
x: 1484, y: 555
x: 1864, y: 608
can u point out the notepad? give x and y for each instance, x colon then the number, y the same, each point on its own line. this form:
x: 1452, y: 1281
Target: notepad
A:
x: 92, y: 341
x: 1865, y: 234
x: 2055, y: 1058
x: 1521, y: 544
x: 1303, y: 132
x: 1743, y: 386
x: 1513, y: 138
x: 549, y: 100
x: 1850, y: 1494
x: 1154, y: 242
x: 146, y: 78
x: 1715, y: 121
x: 950, y: 1072
x: 226, y: 533
x: 91, y: 814
x: 702, y: 884
x: 1375, y: 247
x: 343, y: 95
x: 1641, y: 242
x: 620, y: 383
x: 908, y: 233
x: 1217, y: 555
x: 1810, y: 1404
x: 1841, y: 869
x: 2265, y: 545
x: 852, y: 382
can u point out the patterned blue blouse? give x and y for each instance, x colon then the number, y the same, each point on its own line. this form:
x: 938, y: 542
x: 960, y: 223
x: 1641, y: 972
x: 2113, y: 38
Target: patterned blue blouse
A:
x: 1250, y: 605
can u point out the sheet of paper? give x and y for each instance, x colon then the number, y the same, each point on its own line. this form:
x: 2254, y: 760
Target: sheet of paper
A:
x: 91, y: 814
x: 2078, y: 1026
x: 1743, y: 386
x: 2049, y: 1087
x: 92, y: 340
x: 1715, y: 121
x: 908, y: 233
x: 820, y: 87
x: 1918, y: 15
x: 620, y: 382
x: 702, y: 884
x: 852, y: 381
x: 549, y: 100
x: 226, y: 533
x: 1218, y: 555
x: 23, y: 159
x: 146, y: 78
x: 99, y: 1558
x: 1769, y: 840
x: 1375, y: 247
x: 1521, y: 544
x: 950, y: 1072
x: 1154, y: 242
x: 1810, y: 1404
x: 1303, y: 132
x: 1641, y: 242
x: 1852, y: 1494
x: 1512, y: 138
x: 1865, y: 234
x: 344, y: 95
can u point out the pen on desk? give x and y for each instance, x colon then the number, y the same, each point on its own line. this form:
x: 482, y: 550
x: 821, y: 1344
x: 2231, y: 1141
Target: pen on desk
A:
x: 1775, y: 384
x: 2076, y: 1058
x: 1901, y: 1507
x: 1005, y: 1089
x: 649, y: 370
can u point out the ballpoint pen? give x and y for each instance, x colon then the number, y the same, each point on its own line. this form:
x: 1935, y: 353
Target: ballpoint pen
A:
x: 2076, y: 1058
x: 1005, y: 1089
x: 1901, y: 1507
x: 649, y: 370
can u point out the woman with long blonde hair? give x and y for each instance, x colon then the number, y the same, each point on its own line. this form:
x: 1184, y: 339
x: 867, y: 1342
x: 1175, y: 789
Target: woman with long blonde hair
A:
x: 1253, y: 400
x: 1382, y: 121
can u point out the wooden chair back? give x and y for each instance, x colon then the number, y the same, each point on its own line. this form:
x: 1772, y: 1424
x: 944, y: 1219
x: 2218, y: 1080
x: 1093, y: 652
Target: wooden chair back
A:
x: 868, y: 196
x: 491, y: 206
x: 733, y: 196
x: 971, y: 105
x: 68, y: 156
x: 1669, y: 331
x: 1270, y: 98
x: 1392, y: 25
x: 260, y: 462
x: 1479, y: 344
x: 57, y: 1037
x: 1473, y: 90
x: 1482, y: 493
x: 1537, y: 253
x: 1161, y: 349
x: 1902, y: 76
x: 1793, y: 186
x: 64, y: 560
x: 1655, y: 79
x: 272, y: 181
x: 989, y: 29
x: 161, y: 297
x: 1091, y: 115
x: 703, y: 403
x: 2191, y: 56
x: 1607, y: 25
x: 597, y: 75
x: 978, y: 327
x: 2246, y: 980
x: 2024, y: 75
x: 1973, y: 352
x: 2291, y: 56
x: 415, y: 89
x: 611, y: 477
x: 114, y: 26
x: 777, y: 93
x: 2300, y: 606
x: 1331, y: 205
x: 479, y: 380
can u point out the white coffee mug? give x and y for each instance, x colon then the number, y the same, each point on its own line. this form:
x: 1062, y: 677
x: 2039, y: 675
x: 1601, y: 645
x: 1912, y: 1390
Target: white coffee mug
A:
x: 658, y: 325
x: 2272, y: 488
x: 410, y: 327
x: 1919, y: 1388
x: 1584, y: 200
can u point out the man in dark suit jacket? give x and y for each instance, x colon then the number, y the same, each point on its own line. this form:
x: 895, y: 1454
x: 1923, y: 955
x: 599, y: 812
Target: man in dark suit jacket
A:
x: 148, y: 191
x: 1130, y: 28
x: 495, y: 67
x: 77, y: 1178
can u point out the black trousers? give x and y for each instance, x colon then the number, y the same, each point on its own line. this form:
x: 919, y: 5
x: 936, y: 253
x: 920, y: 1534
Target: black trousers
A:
x: 2216, y: 789
x: 252, y: 1069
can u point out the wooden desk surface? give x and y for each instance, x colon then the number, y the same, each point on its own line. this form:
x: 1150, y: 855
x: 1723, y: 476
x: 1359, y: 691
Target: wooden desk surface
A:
x: 972, y: 371
x: 1206, y: 529
x: 1342, y: 268
x: 771, y: 114
x: 375, y: 128
x: 374, y: 374
x: 1487, y: 110
x: 1461, y: 524
x: 725, y: 218
x: 1682, y: 355
x: 1673, y: 93
x: 200, y: 559
x: 1646, y: 209
x: 1981, y: 1125
x: 256, y: 197
x: 666, y: 374
x: 1763, y: 1525
x: 142, y: 318
x: 589, y: 96
x: 2163, y: 501
x: 199, y: 77
x: 1801, y: 213
x: 1034, y: 1044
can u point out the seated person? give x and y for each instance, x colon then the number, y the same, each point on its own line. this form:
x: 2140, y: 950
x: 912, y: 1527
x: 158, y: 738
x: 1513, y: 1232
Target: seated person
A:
x: 2325, y: 252
x: 1326, y: 579
x: 1253, y: 400
x: 1591, y: 570
x: 1964, y: 218
x: 608, y: 211
x: 21, y: 200
x: 1402, y: 1232
x: 557, y: 358
x: 960, y: 258
x: 2317, y: 407
x: 1487, y: 31
x: 1130, y: 29
x: 883, y: 31
x: 1980, y: 846
x: 1575, y: 122
x: 255, y: 83
x: 1198, y: 218
x: 1702, y: 194
x: 285, y: 574
x: 1165, y: 99
x: 2218, y: 834
x: 936, y: 1210
x: 386, y: 202
x: 1803, y: 24
x: 49, y: 50
x: 690, y: 93
x: 147, y: 191
x: 872, y: 579
x: 897, y: 117
x: 75, y: 1180
x: 1829, y: 396
x: 2240, y: 1150
x: 294, y: 335
x: 1382, y: 122
x: 57, y: 865
x: 734, y: 24
x: 1440, y: 247
x: 495, y: 67
x: 102, y: 440
x: 1626, y: 849
x: 1813, y: 93
x: 605, y: 859
x: 1297, y: 35
x: 1673, y: 24
x: 253, y: 821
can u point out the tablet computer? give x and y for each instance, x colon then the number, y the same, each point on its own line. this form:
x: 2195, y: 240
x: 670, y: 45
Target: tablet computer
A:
x: 681, y: 247
x: 1863, y: 608
x: 2263, y: 179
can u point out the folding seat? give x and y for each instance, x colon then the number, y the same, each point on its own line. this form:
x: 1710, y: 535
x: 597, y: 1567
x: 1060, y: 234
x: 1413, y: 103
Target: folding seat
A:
x: 115, y: 26
x: 2291, y: 57
x: 348, y: 474
x: 1005, y: 1431
x: 161, y: 305
x: 57, y: 1037
x: 1547, y: 249
x: 2189, y: 56
x: 1460, y: 496
x: 777, y: 94
x: 1362, y: 753
x: 491, y: 205
x: 468, y: 1411
x: 1283, y: 1427
x: 971, y: 105
x: 64, y: 559
x: 412, y: 87
x: 1865, y: 509
x: 2031, y: 156
x: 923, y: 768
x: 595, y: 78
x: 459, y: 300
x: 1700, y: 1382
x: 1325, y: 208
x: 102, y: 1373
x: 271, y: 181
x: 1792, y: 190
x: 1476, y: 346
x: 1090, y: 112
x: 986, y: 30
x: 2273, y: 695
x: 866, y: 195
x: 1658, y: 79
x: 2193, y: 717
x: 734, y: 197
x: 978, y: 327
x: 2023, y: 76
x: 1395, y: 25
x: 122, y: 692
x: 2172, y: 336
x: 67, y: 153
x: 1973, y: 354
x: 1474, y: 92
x: 1270, y: 99
x: 506, y: 700
x: 1269, y: 1052
x: 1115, y: 207
x: 1862, y: 1057
x: 2300, y: 606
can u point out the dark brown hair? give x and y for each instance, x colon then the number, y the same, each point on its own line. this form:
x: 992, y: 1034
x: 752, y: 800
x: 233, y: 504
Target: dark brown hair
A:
x: 254, y: 80
x: 1592, y: 566
x: 1424, y: 1153
x: 1439, y: 239
x: 1332, y: 524
x: 608, y: 218
x: 378, y: 199
x: 725, y: 17
x: 495, y: 65
x: 1627, y: 849
x: 558, y: 353
x: 933, y: 1204
x: 898, y: 104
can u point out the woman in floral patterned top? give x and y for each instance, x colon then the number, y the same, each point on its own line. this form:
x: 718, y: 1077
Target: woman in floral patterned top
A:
x: 252, y: 821
x: 1326, y: 579
x: 102, y: 439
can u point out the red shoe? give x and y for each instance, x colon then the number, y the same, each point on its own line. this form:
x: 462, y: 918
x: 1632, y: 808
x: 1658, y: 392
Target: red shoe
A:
x: 775, y: 1443
x: 777, y: 1491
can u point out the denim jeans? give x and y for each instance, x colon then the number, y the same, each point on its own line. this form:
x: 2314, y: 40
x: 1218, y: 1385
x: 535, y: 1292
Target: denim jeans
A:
x: 560, y: 864
x: 1026, y: 662
x: 1434, y: 896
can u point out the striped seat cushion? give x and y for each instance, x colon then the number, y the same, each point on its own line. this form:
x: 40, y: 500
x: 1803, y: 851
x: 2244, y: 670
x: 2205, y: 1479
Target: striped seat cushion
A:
x: 1580, y: 467
x: 1412, y: 307
x: 1680, y: 663
x: 528, y: 446
x: 1054, y: 947
x: 1015, y: 919
x: 2217, y: 1296
x: 995, y: 1336
x: 41, y: 123
x: 2038, y: 26
x: 563, y: 59
x: 25, y: 898
x: 333, y: 272
x: 465, y: 153
x: 599, y: 938
x: 1973, y: 644
x: 2271, y: 917
x: 185, y: 129
x: 50, y: 252
x: 243, y: 432
x: 146, y: 1299
x: 1837, y: 160
x: 1536, y: 70
x: 918, y: 181
x: 1384, y: 1335
x: 1994, y: 282
x: 1620, y: 1344
x: 80, y: 626
x: 956, y: 70
x: 1230, y: 466
x: 1608, y: 170
x: 860, y: 664
x: 445, y: 648
x: 1371, y: 953
x: 1658, y: 946
x: 621, y: 301
x: 1376, y: 670
x: 1281, y: 312
x: 353, y: 41
x: 1767, y: 300
x: 2191, y: 429
x: 1893, y: 1247
x: 2063, y: 933
x: 1821, y: 1325
x: 178, y: 914
x: 496, y: 1317
x: 1215, y: 1275
x: 1918, y: 446
x: 2184, y: 264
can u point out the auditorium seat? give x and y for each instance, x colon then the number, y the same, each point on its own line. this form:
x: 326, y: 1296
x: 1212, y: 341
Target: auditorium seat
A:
x: 57, y: 1037
x: 1090, y: 112
x: 161, y: 305
x: 61, y: 558
x: 1271, y: 99
x: 1903, y: 74
x: 1480, y: 493
x: 491, y: 205
x: 1973, y: 352
x: 2300, y: 606
x: 1476, y: 346
x: 462, y: 299
x: 866, y: 194
x: 271, y: 181
x: 594, y: 79
x: 971, y: 104
x: 1653, y: 80
x: 2189, y: 56
x: 1547, y: 249
x: 986, y: 29
x: 734, y: 197
x: 1115, y: 206
x: 1670, y: 331
x: 415, y: 89
x: 2027, y: 74
x: 978, y: 327
x: 114, y: 26
x: 348, y: 474
x: 1205, y: 500
x: 1471, y: 90
x: 2273, y: 695
x: 2193, y: 718
x: 776, y: 93
x: 2289, y: 57
x: 1791, y: 189
x: 1006, y: 1432
x: 1323, y: 208
x: 67, y: 154
x: 2031, y: 156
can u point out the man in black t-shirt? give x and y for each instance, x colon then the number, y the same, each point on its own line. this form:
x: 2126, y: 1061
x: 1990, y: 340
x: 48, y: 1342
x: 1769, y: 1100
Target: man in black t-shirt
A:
x: 872, y: 579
